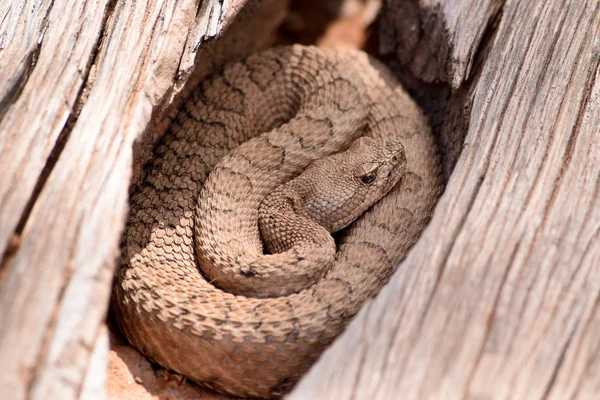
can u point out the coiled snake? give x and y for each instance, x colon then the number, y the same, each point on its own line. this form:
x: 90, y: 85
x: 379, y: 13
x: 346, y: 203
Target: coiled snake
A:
x: 196, y: 293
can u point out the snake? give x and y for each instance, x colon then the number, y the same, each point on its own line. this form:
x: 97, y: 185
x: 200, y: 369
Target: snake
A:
x: 285, y: 193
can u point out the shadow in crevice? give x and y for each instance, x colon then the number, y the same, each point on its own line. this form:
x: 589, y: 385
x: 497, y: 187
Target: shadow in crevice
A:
x: 448, y: 110
x: 307, y: 21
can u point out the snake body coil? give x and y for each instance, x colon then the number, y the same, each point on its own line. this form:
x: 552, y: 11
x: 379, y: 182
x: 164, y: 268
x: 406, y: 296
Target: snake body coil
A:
x: 251, y: 324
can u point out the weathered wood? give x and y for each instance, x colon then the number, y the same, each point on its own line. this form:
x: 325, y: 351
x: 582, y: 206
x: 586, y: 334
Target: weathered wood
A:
x: 29, y: 132
x: 94, y: 383
x: 22, y: 28
x: 66, y: 140
x: 33, y: 121
x: 436, y: 39
x: 499, y: 298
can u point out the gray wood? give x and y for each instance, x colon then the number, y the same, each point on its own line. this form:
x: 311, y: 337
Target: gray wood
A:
x: 33, y: 120
x: 66, y: 152
x: 499, y: 298
x: 94, y: 383
x: 437, y: 40
x: 22, y: 28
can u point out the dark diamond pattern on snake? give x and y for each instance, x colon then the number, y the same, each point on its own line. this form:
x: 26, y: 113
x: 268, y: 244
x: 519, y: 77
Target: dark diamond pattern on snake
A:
x: 229, y: 274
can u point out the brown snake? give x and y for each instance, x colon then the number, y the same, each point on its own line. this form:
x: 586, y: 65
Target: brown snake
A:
x: 251, y: 324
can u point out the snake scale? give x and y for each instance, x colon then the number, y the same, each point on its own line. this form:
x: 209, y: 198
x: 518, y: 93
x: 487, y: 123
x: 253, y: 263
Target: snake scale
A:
x: 195, y: 292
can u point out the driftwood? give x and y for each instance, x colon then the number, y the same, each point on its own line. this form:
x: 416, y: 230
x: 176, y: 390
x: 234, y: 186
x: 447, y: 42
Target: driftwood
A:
x: 499, y: 297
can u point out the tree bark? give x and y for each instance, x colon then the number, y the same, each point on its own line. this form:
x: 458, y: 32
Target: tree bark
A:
x: 499, y: 298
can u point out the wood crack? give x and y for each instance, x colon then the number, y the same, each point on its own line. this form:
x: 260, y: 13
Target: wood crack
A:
x: 59, y: 145
x: 16, y: 83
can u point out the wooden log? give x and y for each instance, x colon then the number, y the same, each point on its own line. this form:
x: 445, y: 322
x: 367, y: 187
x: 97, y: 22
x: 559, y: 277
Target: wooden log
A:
x: 499, y: 298
x: 94, y: 72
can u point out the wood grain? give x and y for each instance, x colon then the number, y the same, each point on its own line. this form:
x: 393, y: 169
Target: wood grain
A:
x: 437, y: 40
x: 22, y: 28
x: 66, y: 143
x: 33, y: 121
x: 499, y: 298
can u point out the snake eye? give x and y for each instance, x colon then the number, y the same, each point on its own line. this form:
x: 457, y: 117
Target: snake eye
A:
x: 367, y: 173
x: 368, y: 178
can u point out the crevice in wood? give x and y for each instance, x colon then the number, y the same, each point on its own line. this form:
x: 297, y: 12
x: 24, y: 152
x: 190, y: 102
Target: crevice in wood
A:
x: 18, y: 83
x: 11, y: 251
x: 59, y: 145
x: 207, y: 23
x: 583, y: 106
x: 37, y: 189
x: 454, y: 125
x: 486, y: 41
x: 485, y: 45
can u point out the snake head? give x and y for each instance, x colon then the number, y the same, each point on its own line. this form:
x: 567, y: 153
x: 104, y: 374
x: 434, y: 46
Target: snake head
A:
x: 383, y: 161
x: 343, y: 186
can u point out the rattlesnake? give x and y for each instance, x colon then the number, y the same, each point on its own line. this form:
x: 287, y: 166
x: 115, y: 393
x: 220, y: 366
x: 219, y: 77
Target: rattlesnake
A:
x: 259, y: 339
